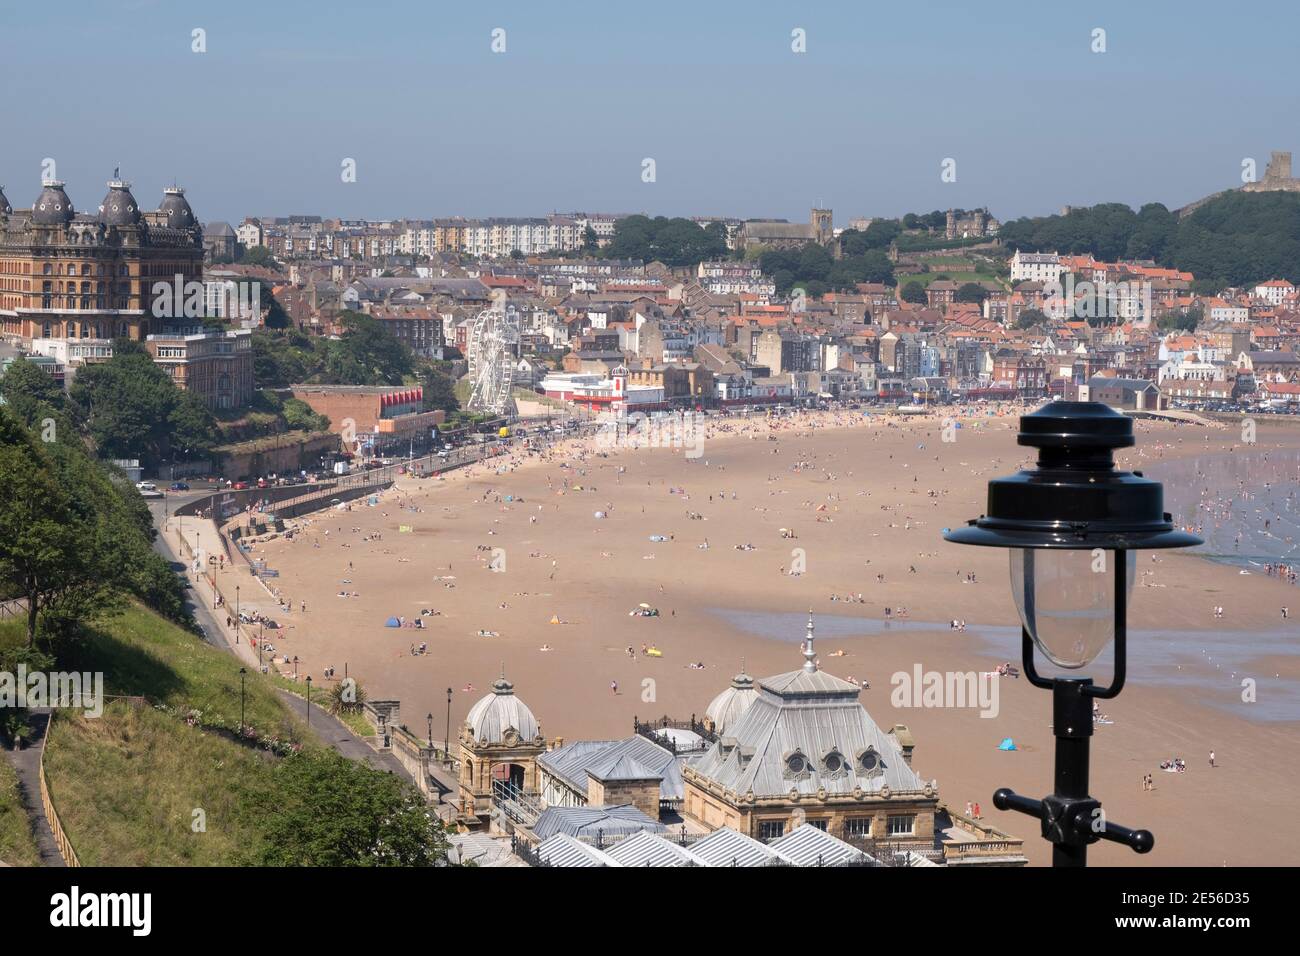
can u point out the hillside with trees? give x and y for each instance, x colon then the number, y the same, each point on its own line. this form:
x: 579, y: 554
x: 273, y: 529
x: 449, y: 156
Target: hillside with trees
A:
x: 1236, y: 239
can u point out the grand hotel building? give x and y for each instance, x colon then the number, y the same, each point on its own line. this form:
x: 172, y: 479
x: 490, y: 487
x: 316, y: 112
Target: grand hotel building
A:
x: 71, y: 275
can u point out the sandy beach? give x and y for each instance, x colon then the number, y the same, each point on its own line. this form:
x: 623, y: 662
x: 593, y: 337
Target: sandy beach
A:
x: 524, y: 575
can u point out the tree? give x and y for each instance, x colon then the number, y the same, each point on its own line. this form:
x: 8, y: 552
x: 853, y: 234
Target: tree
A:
x: 191, y: 427
x: 1182, y: 321
x: 299, y: 416
x: 276, y: 316
x: 439, y: 390
x: 674, y: 242
x: 971, y: 292
x: 259, y: 256
x: 913, y: 292
x: 131, y: 408
x: 40, y: 557
x: 590, y: 241
x: 1029, y: 318
x: 29, y: 390
x: 366, y: 354
x: 346, y: 698
x: 334, y: 812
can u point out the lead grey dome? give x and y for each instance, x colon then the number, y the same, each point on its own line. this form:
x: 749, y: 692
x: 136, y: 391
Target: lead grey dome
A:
x: 493, y: 718
x: 119, y: 207
x: 52, y: 206
x: 729, y: 706
x: 176, y: 208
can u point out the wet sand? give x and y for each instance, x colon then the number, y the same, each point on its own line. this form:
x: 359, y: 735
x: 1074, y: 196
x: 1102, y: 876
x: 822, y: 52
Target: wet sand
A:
x: 862, y: 498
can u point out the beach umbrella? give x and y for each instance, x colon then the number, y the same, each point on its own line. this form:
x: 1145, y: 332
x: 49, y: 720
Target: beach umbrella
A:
x: 392, y: 622
x: 1007, y: 744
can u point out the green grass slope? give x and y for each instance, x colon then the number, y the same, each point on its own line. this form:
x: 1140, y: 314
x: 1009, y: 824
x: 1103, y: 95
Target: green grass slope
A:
x: 141, y: 786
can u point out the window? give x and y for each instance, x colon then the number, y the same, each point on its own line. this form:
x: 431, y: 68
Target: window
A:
x: 857, y: 827
x: 819, y: 824
x: 902, y: 825
x: 771, y: 829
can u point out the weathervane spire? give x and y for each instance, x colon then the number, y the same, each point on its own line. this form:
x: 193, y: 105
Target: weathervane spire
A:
x: 809, y: 655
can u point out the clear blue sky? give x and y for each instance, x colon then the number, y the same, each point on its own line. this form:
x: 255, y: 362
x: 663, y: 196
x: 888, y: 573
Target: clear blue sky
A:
x: 736, y: 122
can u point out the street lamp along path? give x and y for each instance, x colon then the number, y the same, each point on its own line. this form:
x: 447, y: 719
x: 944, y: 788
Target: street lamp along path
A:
x: 1071, y: 526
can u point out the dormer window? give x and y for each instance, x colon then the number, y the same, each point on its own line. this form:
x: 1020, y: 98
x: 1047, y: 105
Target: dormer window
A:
x: 868, y: 763
x: 797, y: 765
x: 834, y: 764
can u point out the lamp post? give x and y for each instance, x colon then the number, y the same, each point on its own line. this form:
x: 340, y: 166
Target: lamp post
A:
x: 429, y: 717
x: 308, y: 700
x: 1071, y: 526
x: 236, y: 609
x: 242, y: 674
x: 446, y: 744
x: 295, y: 667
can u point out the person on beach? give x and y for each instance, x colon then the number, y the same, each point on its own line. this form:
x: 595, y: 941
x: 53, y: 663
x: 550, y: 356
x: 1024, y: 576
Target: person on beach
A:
x: 1212, y: 763
x: 613, y: 687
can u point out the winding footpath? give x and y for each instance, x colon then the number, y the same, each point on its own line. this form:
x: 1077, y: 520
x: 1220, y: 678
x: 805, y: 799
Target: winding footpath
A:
x: 27, y: 765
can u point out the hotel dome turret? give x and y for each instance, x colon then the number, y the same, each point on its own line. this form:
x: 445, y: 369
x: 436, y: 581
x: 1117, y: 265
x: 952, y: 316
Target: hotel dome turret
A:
x: 52, y: 206
x: 176, y: 208
x: 119, y: 207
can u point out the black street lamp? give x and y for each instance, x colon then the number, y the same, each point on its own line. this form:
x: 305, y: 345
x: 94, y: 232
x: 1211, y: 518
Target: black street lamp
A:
x: 1071, y: 526
x: 308, y: 700
x: 429, y: 717
x: 242, y: 672
x: 236, y: 610
x: 446, y: 744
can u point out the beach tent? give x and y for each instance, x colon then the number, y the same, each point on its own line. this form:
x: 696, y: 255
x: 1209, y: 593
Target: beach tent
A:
x: 1007, y: 744
x: 392, y: 622
x: 555, y: 619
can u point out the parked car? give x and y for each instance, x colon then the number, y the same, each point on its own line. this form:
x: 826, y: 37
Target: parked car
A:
x: 240, y: 486
x: 178, y: 486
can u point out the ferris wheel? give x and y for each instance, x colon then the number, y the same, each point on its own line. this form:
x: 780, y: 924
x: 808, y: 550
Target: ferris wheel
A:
x: 492, y: 344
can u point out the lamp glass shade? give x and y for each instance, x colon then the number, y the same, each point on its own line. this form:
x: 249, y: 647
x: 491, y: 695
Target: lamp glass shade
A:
x: 1066, y: 600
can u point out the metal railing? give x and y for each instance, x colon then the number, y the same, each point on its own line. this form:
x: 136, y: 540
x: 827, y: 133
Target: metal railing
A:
x: 518, y: 805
